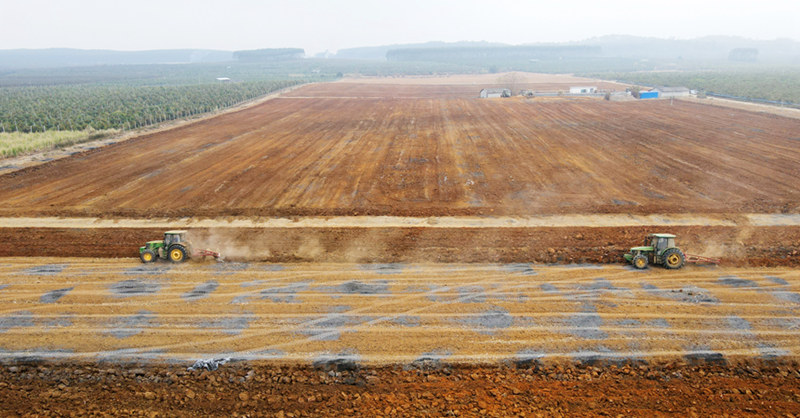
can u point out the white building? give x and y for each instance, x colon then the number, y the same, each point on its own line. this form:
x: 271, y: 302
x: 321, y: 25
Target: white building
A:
x: 493, y: 93
x: 582, y: 89
x: 667, y: 92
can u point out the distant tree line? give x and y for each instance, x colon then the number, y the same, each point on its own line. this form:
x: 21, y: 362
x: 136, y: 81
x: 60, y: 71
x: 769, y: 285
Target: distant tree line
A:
x: 743, y: 54
x: 272, y: 54
x: 102, y: 107
x: 498, y: 54
x: 779, y: 85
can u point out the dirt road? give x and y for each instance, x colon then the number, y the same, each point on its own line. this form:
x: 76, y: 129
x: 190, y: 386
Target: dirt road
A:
x: 548, y: 221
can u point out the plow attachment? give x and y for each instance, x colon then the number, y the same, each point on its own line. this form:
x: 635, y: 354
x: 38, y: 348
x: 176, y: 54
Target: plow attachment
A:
x: 207, y: 253
x: 699, y: 259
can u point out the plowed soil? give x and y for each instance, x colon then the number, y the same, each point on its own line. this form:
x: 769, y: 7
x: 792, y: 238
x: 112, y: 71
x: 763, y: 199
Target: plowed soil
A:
x: 734, y: 245
x: 42, y: 389
x: 435, y: 154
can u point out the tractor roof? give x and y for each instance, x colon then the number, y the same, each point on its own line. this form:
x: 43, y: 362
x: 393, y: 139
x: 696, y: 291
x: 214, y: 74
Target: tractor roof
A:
x: 175, y: 232
x: 662, y: 235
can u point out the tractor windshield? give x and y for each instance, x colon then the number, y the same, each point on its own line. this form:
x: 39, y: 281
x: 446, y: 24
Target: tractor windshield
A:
x: 170, y: 239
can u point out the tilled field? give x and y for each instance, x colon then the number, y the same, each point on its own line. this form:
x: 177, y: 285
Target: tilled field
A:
x: 434, y: 156
x: 105, y: 310
x: 439, y: 313
x: 248, y: 389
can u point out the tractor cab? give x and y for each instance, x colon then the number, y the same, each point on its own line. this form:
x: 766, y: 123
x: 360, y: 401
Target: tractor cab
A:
x: 174, y: 237
x: 660, y: 242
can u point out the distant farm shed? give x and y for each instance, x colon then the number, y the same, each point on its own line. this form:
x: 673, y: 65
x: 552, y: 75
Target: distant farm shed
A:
x: 582, y: 89
x: 648, y: 95
x: 493, y: 93
x: 665, y: 92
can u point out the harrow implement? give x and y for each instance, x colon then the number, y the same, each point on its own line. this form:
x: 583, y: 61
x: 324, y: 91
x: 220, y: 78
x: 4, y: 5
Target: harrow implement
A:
x: 699, y: 259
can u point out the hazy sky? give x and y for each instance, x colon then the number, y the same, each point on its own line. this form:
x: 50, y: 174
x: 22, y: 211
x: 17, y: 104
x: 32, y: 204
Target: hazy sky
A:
x: 318, y: 25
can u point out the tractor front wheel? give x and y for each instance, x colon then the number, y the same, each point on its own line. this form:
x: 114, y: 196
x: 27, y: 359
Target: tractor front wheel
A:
x: 640, y: 261
x: 177, y: 254
x: 673, y: 259
x: 148, y: 256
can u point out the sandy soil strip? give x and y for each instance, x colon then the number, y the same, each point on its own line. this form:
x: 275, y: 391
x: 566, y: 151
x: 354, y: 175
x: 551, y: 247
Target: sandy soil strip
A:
x: 603, y: 220
x: 72, y: 308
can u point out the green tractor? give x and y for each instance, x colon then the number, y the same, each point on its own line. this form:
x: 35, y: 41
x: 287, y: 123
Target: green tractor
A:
x: 174, y: 247
x: 657, y: 249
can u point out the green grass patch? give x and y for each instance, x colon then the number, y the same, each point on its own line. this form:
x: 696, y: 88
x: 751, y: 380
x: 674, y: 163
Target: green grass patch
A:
x: 13, y: 144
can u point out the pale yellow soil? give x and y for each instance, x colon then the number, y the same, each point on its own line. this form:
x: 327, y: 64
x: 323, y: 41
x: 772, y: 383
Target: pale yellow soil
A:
x: 389, y: 313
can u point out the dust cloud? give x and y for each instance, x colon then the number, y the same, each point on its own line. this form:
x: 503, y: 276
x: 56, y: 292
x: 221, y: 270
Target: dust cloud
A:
x: 310, y: 249
x: 229, y: 244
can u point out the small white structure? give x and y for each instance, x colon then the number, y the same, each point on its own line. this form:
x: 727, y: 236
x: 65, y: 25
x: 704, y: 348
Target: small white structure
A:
x: 582, y: 89
x: 223, y: 79
x: 494, y: 93
x: 667, y: 92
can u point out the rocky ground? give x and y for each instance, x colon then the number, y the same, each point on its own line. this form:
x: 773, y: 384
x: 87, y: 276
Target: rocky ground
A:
x: 422, y: 389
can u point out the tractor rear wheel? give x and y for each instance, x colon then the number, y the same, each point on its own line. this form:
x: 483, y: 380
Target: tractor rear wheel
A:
x: 177, y: 253
x: 673, y: 259
x: 148, y: 256
x: 640, y: 261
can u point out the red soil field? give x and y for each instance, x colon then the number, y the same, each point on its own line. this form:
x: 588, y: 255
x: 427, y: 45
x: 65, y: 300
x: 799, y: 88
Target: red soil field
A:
x: 430, y: 156
x: 245, y: 389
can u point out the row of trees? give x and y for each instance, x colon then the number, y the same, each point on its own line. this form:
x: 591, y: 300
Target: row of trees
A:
x: 102, y: 107
x: 775, y: 85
